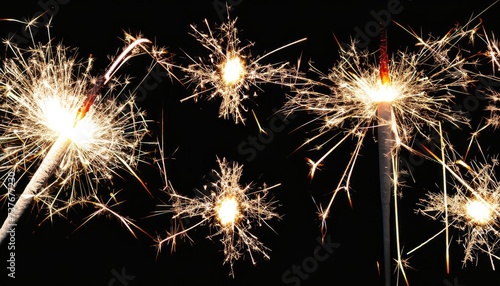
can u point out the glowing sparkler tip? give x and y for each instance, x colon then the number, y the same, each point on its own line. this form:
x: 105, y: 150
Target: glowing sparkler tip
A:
x: 228, y: 211
x: 384, y: 93
x: 384, y: 78
x: 478, y: 212
x: 233, y: 70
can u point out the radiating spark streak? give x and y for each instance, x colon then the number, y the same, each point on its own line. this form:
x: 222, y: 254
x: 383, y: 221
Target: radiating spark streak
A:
x: 261, y: 130
x: 104, y: 208
x: 122, y: 58
x: 427, y: 241
x: 250, y: 209
x: 492, y: 53
x: 401, y: 266
x: 473, y: 138
x: 171, y: 238
x: 314, y: 164
x: 346, y: 177
x: 280, y: 48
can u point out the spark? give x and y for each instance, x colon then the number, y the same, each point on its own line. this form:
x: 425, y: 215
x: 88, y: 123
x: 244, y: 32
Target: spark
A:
x: 493, y: 119
x: 230, y: 72
x: 60, y: 125
x: 231, y: 209
x: 473, y: 208
x: 261, y: 130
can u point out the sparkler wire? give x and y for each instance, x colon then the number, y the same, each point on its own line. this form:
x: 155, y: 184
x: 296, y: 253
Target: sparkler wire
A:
x: 384, y: 132
x: 39, y: 179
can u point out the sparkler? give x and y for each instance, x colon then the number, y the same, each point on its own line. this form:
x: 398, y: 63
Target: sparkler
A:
x: 56, y: 120
x: 385, y: 143
x: 473, y: 209
x: 229, y: 208
x: 230, y: 72
x: 401, y: 99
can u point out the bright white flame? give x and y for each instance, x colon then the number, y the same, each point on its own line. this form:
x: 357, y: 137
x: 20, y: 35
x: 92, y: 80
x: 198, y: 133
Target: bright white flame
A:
x: 384, y: 93
x: 227, y: 211
x: 57, y: 118
x: 61, y: 119
x: 233, y: 71
x: 478, y: 212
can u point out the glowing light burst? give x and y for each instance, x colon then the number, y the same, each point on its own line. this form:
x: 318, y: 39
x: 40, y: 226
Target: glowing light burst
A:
x: 473, y: 208
x: 229, y: 208
x: 478, y: 212
x: 48, y: 126
x: 233, y: 71
x: 230, y: 72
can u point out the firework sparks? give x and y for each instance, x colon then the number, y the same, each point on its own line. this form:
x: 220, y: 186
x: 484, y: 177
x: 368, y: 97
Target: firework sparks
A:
x: 229, y: 208
x: 230, y: 72
x: 473, y: 209
x: 56, y: 120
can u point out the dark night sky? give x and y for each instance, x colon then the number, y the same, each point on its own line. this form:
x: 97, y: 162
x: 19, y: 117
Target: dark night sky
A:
x: 53, y: 254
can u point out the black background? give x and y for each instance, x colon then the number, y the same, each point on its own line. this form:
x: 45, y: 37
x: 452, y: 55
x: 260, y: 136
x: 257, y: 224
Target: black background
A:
x: 53, y: 253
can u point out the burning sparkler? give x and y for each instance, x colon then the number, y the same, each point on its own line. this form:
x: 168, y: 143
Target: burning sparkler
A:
x: 230, y: 72
x: 402, y: 96
x: 229, y: 208
x: 58, y: 119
